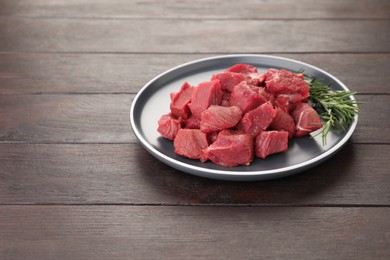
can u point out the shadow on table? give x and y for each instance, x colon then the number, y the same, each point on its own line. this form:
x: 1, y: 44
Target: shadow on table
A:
x: 323, y: 184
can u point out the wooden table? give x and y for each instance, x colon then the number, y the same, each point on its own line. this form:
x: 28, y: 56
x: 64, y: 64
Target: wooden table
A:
x: 76, y: 184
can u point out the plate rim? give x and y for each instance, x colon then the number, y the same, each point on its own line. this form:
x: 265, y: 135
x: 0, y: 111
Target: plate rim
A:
x: 247, y: 174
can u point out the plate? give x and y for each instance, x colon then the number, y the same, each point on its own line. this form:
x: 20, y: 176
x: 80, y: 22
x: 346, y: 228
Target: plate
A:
x: 153, y: 100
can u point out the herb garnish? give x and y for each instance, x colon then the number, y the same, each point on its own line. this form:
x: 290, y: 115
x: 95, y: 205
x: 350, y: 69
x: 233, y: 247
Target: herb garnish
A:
x: 335, y: 108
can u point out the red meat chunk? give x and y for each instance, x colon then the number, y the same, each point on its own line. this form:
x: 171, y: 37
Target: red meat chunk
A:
x: 283, y: 121
x: 255, y: 79
x: 257, y: 119
x: 287, y: 102
x: 267, y: 95
x: 242, y: 68
x: 190, y: 143
x: 217, y: 118
x: 306, y: 119
x: 246, y: 97
x: 270, y: 142
x: 192, y: 122
x: 168, y: 126
x: 206, y: 94
x: 287, y: 82
x: 180, y: 100
x: 228, y: 79
x: 231, y: 148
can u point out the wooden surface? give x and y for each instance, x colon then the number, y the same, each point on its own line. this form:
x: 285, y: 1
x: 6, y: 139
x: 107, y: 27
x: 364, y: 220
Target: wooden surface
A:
x: 76, y: 184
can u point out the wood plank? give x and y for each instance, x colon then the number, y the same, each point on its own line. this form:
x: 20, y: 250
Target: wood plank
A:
x: 105, y: 119
x: 127, y: 174
x: 65, y: 118
x: 29, y: 73
x: 210, y: 9
x: 117, y: 232
x: 178, y: 36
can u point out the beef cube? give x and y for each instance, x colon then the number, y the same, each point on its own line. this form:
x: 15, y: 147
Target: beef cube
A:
x: 180, y: 100
x: 217, y: 118
x: 255, y: 79
x: 168, y: 126
x: 242, y: 68
x: 306, y: 119
x: 192, y: 122
x: 212, y: 137
x: 231, y: 148
x: 246, y: 97
x: 283, y: 121
x: 267, y: 95
x: 287, y: 102
x: 270, y: 142
x: 228, y: 79
x: 190, y: 143
x: 286, y: 82
x: 257, y: 119
x: 206, y: 94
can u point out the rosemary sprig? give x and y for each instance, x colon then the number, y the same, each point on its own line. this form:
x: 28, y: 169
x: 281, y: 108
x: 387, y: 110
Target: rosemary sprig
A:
x: 336, y: 108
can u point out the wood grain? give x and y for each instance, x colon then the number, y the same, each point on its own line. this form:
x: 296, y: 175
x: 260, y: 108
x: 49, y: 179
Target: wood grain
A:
x: 210, y: 9
x: 105, y: 119
x: 65, y: 118
x: 32, y: 73
x: 192, y: 36
x: 114, y: 232
x: 76, y: 184
x: 127, y: 174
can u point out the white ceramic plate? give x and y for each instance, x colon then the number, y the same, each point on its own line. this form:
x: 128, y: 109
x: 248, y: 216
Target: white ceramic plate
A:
x: 153, y: 100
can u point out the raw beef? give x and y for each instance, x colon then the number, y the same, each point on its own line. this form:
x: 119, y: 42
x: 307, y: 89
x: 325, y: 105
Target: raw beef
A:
x: 192, y: 122
x: 286, y: 82
x: 246, y: 97
x: 263, y: 92
x: 231, y: 148
x: 168, y: 126
x: 257, y: 119
x: 255, y: 79
x: 242, y: 68
x: 180, y: 100
x: 306, y: 119
x: 238, y: 113
x: 270, y: 142
x: 228, y: 79
x: 217, y: 118
x: 206, y: 94
x: 283, y: 121
x: 190, y: 143
x: 287, y: 102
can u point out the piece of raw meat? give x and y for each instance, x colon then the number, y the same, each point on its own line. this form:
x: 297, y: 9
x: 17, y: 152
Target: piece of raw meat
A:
x: 283, y: 121
x: 242, y: 68
x: 180, y: 100
x: 206, y: 94
x: 246, y: 97
x: 255, y: 79
x: 168, y: 126
x: 190, y: 143
x: 257, y: 119
x: 192, y: 122
x: 228, y: 79
x: 231, y: 148
x: 286, y: 102
x: 217, y: 118
x: 287, y: 82
x: 306, y: 119
x: 270, y: 142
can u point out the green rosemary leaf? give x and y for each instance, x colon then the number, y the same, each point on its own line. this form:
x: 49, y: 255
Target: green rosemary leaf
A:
x: 336, y: 108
